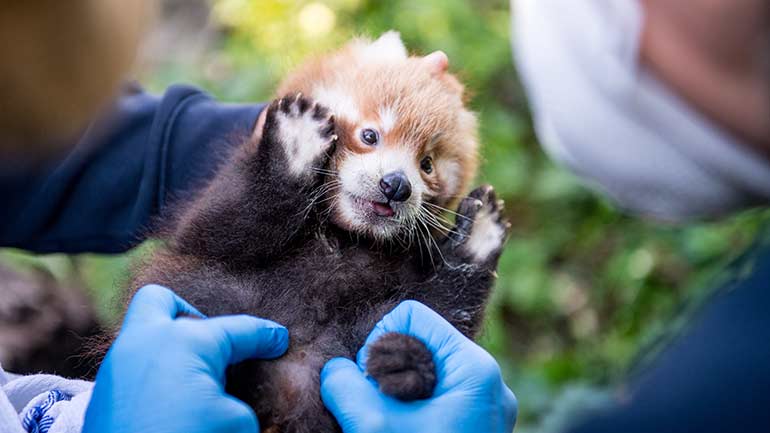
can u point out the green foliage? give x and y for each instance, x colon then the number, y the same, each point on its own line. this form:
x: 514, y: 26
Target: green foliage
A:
x: 582, y: 290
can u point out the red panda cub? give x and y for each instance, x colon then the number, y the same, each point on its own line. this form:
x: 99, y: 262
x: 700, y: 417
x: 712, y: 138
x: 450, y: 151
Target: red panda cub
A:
x: 330, y: 215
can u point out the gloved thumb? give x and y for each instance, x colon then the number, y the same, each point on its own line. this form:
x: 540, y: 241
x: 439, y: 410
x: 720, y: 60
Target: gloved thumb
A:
x: 246, y: 337
x: 154, y: 303
x: 351, y: 398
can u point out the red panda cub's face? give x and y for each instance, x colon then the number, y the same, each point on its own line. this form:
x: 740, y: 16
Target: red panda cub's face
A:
x: 407, y: 144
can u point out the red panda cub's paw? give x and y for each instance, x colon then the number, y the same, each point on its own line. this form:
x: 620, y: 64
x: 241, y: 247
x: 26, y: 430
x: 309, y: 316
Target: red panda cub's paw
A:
x: 305, y: 130
x: 481, y: 228
x: 402, y: 366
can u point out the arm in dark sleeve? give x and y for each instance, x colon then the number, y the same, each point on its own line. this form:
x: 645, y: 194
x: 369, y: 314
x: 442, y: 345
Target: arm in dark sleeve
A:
x: 124, y: 171
x: 716, y: 377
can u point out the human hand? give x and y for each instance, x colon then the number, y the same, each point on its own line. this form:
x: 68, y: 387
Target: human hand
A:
x: 166, y: 373
x: 470, y: 395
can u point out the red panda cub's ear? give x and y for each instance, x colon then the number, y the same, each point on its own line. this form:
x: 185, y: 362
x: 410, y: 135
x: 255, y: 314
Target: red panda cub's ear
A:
x: 437, y: 62
x: 387, y: 48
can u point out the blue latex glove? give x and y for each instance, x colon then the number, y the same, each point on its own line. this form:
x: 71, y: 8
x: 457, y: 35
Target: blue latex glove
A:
x: 166, y: 374
x: 470, y: 395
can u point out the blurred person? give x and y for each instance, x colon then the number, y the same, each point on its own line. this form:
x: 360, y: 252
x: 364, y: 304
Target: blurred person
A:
x: 58, y: 67
x: 86, y: 164
x: 664, y: 106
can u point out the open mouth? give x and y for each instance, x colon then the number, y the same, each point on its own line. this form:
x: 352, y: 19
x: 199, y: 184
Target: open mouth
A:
x: 384, y: 210
x: 371, y: 217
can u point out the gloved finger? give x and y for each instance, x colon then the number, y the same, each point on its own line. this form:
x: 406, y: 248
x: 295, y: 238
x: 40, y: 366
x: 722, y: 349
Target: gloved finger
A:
x: 236, y: 415
x: 246, y: 337
x: 510, y: 407
x: 351, y: 398
x: 415, y: 319
x: 153, y: 302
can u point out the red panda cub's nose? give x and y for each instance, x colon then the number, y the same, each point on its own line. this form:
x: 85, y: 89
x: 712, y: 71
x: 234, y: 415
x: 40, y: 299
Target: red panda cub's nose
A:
x: 396, y: 187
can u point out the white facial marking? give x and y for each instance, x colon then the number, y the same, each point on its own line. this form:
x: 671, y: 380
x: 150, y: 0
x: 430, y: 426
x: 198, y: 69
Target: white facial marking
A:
x: 449, y: 172
x: 487, y: 234
x: 301, y: 139
x: 388, y: 119
x: 339, y: 102
x: 360, y: 175
x: 387, y: 48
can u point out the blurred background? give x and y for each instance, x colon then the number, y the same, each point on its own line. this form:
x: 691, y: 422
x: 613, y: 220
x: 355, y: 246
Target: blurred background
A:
x: 585, y: 295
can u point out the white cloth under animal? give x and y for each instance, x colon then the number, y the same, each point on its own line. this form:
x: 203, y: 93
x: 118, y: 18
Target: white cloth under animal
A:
x: 42, y: 403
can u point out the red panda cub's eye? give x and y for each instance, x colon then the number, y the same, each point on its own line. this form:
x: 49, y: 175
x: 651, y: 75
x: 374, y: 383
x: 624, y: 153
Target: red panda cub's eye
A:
x: 370, y: 136
x: 427, y: 165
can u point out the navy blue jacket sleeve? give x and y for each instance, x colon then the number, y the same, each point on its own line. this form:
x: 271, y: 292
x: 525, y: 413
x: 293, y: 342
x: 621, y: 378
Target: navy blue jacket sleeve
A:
x: 716, y: 377
x: 125, y: 169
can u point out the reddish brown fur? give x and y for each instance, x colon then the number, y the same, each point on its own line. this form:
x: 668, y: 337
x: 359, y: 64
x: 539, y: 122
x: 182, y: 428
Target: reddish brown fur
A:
x: 432, y: 117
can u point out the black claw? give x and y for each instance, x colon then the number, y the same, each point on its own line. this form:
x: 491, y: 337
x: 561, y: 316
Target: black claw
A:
x: 303, y: 104
x: 466, y: 211
x: 270, y: 117
x: 328, y: 129
x: 320, y: 112
x: 332, y: 148
x: 491, y: 198
x: 480, y: 192
x: 285, y: 105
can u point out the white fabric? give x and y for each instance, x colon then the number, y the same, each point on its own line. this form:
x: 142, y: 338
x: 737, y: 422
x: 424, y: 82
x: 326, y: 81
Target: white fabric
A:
x: 20, y: 393
x: 610, y: 121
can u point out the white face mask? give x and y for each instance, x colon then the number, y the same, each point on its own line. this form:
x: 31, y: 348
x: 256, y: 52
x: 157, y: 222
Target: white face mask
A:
x: 598, y: 112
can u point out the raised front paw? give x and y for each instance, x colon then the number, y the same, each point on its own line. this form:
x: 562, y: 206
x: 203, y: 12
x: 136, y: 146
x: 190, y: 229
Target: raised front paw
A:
x: 304, y: 130
x: 481, y: 229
